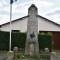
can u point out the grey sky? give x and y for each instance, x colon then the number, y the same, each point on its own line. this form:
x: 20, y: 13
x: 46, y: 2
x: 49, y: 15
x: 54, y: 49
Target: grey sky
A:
x: 47, y: 8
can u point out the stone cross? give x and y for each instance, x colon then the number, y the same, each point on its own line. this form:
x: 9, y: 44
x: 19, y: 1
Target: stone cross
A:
x: 32, y: 46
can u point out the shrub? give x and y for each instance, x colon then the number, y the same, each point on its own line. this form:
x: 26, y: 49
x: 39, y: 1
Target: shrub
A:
x: 19, y: 39
x: 45, y: 56
x: 45, y: 41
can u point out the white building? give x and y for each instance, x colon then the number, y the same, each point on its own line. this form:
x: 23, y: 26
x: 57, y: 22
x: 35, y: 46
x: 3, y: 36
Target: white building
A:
x: 44, y: 25
x: 0, y: 27
x: 21, y: 25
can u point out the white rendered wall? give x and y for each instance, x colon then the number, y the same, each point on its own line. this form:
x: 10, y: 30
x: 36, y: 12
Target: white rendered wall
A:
x: 16, y: 25
x: 0, y: 29
x: 44, y: 25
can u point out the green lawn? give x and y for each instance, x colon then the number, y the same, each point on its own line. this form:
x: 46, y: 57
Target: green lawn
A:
x: 56, y: 50
x: 3, y: 51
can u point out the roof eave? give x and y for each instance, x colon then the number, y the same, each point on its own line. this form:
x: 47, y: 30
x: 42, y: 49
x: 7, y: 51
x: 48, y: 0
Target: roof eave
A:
x: 28, y: 16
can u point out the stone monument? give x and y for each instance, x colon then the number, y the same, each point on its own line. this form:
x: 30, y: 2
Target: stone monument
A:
x: 32, y: 46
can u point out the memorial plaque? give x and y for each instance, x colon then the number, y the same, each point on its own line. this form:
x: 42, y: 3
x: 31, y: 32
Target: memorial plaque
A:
x: 31, y: 48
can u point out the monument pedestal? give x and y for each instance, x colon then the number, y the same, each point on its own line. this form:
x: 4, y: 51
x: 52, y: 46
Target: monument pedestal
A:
x: 32, y: 48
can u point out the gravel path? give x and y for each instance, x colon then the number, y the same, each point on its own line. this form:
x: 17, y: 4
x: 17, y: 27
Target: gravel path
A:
x: 58, y: 56
x: 2, y: 56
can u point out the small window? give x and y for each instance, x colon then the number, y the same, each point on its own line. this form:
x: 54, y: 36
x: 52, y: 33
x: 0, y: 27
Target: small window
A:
x: 0, y: 26
x: 15, y: 30
x: 43, y: 32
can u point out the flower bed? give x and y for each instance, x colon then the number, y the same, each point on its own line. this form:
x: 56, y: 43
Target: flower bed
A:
x: 19, y: 56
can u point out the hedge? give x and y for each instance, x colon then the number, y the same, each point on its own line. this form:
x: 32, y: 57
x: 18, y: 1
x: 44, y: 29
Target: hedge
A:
x: 19, y: 39
x: 45, y: 41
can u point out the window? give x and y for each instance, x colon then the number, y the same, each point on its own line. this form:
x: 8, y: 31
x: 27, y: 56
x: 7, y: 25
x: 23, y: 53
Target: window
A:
x: 15, y: 30
x: 0, y: 26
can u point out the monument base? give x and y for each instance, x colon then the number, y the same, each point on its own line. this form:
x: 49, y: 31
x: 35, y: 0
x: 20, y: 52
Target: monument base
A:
x: 32, y: 48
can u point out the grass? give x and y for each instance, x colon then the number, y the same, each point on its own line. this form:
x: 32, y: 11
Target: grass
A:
x: 57, y: 51
x: 3, y: 51
x: 22, y: 55
x: 46, y: 56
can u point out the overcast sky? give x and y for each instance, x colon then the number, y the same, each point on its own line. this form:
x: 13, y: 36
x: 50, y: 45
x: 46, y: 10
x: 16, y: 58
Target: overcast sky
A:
x: 47, y: 8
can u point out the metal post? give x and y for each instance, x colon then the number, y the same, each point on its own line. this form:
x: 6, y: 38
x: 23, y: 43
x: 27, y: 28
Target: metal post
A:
x: 10, y: 26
